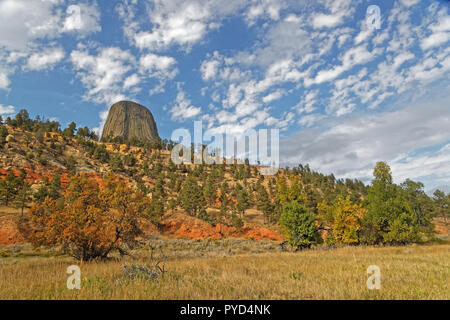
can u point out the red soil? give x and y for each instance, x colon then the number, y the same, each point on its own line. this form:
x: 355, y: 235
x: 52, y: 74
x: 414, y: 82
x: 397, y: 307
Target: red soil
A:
x: 182, y: 226
x: 9, y: 233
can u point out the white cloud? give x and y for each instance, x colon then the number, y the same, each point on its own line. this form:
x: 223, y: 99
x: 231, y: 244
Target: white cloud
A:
x: 311, y: 119
x: 338, y: 10
x: 176, y: 22
x: 264, y: 8
x: 162, y: 67
x: 440, y: 32
x: 326, y: 20
x: 209, y: 68
x: 308, y: 103
x: 131, y: 81
x: 183, y: 108
x: 354, y: 56
x: 402, y: 58
x: 4, y: 80
x: 103, y: 74
x: 29, y: 28
x: 7, y: 110
x: 430, y: 166
x: 82, y: 18
x: 434, y: 40
x: 409, y: 3
x: 22, y: 21
x: 275, y: 95
x: 351, y: 147
x: 45, y: 59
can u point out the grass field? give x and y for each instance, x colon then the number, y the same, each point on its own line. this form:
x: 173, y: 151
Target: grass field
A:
x: 236, y: 269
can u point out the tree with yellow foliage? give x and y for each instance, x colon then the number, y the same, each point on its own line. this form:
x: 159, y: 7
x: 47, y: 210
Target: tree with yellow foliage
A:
x: 343, y: 219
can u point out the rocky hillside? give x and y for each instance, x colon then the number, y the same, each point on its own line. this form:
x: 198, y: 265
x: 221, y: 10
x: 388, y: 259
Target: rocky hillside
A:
x: 190, y: 201
x: 129, y: 120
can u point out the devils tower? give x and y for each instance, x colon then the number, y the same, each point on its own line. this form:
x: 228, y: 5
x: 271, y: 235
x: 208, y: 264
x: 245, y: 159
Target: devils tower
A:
x: 129, y: 120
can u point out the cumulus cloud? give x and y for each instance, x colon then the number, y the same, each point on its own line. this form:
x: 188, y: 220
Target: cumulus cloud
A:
x: 45, y: 59
x: 82, y: 18
x: 175, y: 22
x: 209, y: 68
x: 7, y: 110
x: 162, y: 67
x: 183, y: 108
x: 4, y: 80
x: 23, y: 21
x: 131, y: 81
x: 103, y: 74
x: 29, y: 28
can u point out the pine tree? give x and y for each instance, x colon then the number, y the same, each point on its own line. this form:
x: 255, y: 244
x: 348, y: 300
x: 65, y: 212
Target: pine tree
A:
x: 243, y: 201
x: 263, y: 203
x: 8, y: 188
x: 191, y: 197
x: 23, y: 196
x: 210, y: 191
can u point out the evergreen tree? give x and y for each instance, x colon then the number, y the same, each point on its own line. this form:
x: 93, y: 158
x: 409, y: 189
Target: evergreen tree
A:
x: 191, y: 197
x: 8, y: 188
x: 442, y: 204
x: 263, y: 203
x: 210, y: 191
x: 23, y: 196
x: 243, y: 201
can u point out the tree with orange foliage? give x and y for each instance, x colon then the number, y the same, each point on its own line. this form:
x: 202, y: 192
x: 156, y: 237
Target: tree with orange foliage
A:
x: 93, y: 221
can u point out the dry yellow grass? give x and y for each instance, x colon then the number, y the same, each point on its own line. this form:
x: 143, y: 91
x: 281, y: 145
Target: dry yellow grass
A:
x: 412, y: 272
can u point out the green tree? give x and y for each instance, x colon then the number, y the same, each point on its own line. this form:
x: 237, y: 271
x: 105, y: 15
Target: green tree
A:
x: 420, y: 204
x: 3, y: 135
x: 243, y: 201
x: 191, y: 197
x: 389, y: 218
x: 263, y: 203
x: 8, y: 188
x: 442, y: 204
x: 100, y: 153
x: 210, y: 191
x: 298, y: 225
x: 23, y: 196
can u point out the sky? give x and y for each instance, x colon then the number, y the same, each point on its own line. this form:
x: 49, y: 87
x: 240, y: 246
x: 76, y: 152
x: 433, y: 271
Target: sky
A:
x: 346, y: 86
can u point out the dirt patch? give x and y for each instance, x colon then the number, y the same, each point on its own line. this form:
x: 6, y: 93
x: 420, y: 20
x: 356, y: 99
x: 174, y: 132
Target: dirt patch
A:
x: 185, y: 227
x: 9, y: 232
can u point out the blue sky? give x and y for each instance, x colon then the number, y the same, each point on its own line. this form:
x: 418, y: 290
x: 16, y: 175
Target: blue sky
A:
x: 343, y: 94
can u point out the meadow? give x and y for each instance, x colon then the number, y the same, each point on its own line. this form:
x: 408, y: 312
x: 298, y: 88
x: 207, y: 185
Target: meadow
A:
x: 233, y: 269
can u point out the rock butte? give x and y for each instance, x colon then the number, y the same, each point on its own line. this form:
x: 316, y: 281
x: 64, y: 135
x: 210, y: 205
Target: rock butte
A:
x: 130, y: 120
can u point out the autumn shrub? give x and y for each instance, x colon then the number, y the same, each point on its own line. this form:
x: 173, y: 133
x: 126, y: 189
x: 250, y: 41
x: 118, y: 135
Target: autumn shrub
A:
x: 92, y: 222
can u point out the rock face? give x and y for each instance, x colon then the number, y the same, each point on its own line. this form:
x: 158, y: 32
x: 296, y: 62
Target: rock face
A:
x: 130, y: 120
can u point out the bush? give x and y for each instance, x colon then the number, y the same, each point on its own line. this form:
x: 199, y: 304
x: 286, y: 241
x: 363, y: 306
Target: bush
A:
x: 100, y: 153
x: 237, y: 222
x: 91, y: 222
x: 5, y: 253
